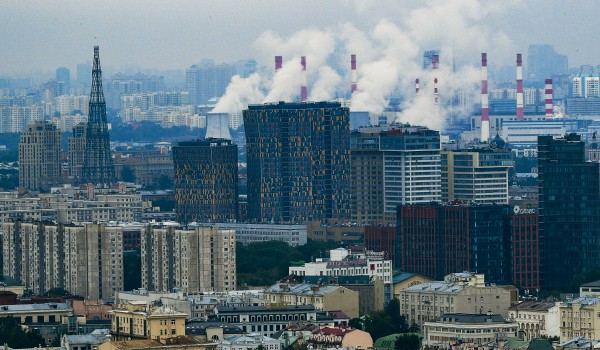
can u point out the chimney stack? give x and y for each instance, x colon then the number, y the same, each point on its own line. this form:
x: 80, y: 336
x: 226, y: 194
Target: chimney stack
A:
x: 485, y: 118
x: 303, y: 91
x: 435, y: 92
x: 548, y: 97
x: 417, y: 86
x: 353, y: 78
x: 520, y: 113
x: 278, y: 63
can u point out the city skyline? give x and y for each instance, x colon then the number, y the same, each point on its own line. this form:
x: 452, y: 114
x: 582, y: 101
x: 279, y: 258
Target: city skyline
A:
x: 175, y: 36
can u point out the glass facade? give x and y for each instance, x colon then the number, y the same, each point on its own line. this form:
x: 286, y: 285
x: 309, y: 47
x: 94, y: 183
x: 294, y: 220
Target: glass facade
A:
x: 298, y: 161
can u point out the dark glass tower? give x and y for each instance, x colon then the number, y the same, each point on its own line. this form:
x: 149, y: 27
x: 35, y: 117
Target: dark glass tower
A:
x: 298, y: 161
x: 206, y: 173
x: 569, y: 210
x: 98, y: 167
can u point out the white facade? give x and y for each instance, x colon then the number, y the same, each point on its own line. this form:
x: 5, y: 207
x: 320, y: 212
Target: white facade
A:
x: 346, y: 266
x: 536, y: 319
x: 525, y: 133
x: 293, y: 235
x: 469, y: 328
x: 249, y: 342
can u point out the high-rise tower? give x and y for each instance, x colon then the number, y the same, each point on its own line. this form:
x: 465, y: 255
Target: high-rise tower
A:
x: 98, y: 165
x: 298, y: 161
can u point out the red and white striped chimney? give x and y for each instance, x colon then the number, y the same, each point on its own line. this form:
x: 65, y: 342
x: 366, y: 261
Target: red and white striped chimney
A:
x: 353, y: 77
x: 548, y: 93
x: 520, y: 113
x: 278, y: 63
x: 303, y: 89
x: 417, y: 86
x: 485, y: 117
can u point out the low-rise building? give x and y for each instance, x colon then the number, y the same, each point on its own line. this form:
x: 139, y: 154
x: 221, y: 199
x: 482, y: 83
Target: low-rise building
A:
x: 251, y: 341
x: 323, y: 297
x: 403, y: 280
x: 451, y: 328
x: 459, y: 293
x: 265, y: 320
x: 293, y: 235
x: 591, y: 289
x: 140, y: 320
x: 175, y: 343
x: 536, y: 319
x: 339, y: 337
x: 579, y: 318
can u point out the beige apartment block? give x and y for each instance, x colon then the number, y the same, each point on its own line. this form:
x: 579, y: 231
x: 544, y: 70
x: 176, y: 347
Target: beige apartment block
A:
x: 140, y: 320
x: 323, y: 297
x: 580, y: 318
x: 427, y: 301
x: 85, y: 260
x: 198, y: 259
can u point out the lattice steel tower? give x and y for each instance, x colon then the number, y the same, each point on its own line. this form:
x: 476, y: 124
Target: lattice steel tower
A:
x: 98, y: 167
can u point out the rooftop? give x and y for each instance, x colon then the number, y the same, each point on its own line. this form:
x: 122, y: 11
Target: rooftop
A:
x: 437, y: 287
x: 34, y: 307
x: 301, y: 288
x: 472, y: 318
x: 592, y: 284
x: 532, y: 305
x: 233, y: 309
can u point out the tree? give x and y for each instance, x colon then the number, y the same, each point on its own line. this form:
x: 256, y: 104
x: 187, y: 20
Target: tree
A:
x: 127, y: 174
x: 58, y: 292
x: 408, y: 341
x: 13, y: 335
x: 356, y: 323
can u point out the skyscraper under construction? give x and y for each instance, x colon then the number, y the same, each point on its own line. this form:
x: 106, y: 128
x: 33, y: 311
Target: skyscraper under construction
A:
x: 98, y: 165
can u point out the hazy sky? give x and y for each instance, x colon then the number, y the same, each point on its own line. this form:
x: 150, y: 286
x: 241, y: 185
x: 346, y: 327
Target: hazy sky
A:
x: 43, y: 35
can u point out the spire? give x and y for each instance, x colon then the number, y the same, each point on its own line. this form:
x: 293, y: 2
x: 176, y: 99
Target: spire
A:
x: 98, y: 166
x: 96, y: 95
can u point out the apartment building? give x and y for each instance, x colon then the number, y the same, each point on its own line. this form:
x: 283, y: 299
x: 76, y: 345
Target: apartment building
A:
x: 193, y: 259
x: 139, y: 320
x: 85, y: 260
x: 580, y: 318
x: 536, y: 319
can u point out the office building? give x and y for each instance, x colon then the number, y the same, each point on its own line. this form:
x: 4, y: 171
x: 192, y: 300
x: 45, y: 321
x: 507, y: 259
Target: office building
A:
x: 98, y: 167
x: 207, y: 80
x: 293, y: 235
x: 39, y: 157
x: 198, y: 259
x: 478, y: 175
x: 147, y: 168
x: 84, y: 260
x: 393, y: 165
x: 435, y: 240
x: 569, y: 201
x: 206, y: 173
x: 76, y: 151
x: 521, y: 225
x: 298, y: 162
x: 382, y: 239
x: 63, y: 78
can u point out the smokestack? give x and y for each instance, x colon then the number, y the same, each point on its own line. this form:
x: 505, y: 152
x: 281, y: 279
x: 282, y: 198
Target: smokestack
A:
x: 520, y: 114
x: 485, y: 118
x: 417, y: 86
x: 548, y: 97
x: 435, y: 91
x: 278, y: 63
x: 353, y: 78
x: 303, y: 92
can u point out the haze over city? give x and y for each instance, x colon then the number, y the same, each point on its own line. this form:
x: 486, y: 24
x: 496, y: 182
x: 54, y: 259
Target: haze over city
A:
x: 40, y: 36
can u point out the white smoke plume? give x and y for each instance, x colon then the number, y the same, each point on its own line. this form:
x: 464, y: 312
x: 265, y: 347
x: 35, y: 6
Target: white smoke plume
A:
x: 239, y: 94
x: 389, y: 59
x: 324, y: 88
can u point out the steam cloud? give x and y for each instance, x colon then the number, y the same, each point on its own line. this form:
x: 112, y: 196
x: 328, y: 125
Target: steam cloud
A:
x: 389, y: 59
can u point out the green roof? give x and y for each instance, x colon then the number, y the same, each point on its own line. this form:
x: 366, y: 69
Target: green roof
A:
x: 540, y: 344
